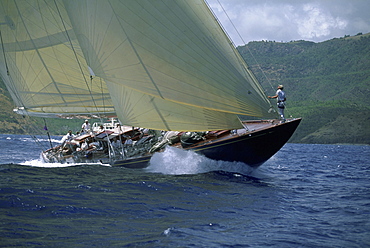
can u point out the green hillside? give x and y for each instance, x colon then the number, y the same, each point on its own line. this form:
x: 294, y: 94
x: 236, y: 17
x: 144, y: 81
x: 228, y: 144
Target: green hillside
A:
x: 327, y: 83
x: 12, y: 123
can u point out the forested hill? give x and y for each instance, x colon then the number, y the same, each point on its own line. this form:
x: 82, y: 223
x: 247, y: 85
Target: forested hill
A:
x: 327, y: 83
x: 12, y: 123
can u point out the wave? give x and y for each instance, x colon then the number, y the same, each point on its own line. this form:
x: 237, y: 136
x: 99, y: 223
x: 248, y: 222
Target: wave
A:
x: 40, y: 163
x: 31, y: 139
x: 175, y: 161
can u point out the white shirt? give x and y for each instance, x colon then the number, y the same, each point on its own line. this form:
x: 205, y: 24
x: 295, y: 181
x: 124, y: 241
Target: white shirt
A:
x: 67, y: 137
x: 86, y: 126
x: 281, y: 95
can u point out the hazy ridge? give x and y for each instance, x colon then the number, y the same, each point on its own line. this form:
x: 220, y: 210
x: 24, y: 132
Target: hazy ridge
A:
x: 327, y: 83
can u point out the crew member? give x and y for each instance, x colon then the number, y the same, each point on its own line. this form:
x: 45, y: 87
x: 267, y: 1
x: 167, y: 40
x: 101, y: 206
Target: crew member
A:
x: 86, y: 126
x: 280, y: 96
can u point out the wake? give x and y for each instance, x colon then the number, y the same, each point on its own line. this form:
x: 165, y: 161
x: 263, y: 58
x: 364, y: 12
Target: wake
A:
x: 40, y: 163
x: 174, y: 161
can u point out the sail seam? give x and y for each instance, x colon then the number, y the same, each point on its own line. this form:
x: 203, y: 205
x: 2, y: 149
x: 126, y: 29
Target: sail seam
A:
x: 137, y: 54
x: 38, y: 53
x: 78, y: 61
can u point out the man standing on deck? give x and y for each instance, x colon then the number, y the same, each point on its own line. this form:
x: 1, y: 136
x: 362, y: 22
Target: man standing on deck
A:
x: 280, y: 95
x: 86, y: 127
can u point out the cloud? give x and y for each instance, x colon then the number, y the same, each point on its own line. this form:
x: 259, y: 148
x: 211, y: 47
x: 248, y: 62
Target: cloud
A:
x: 287, y: 20
x: 264, y: 21
x: 315, y: 22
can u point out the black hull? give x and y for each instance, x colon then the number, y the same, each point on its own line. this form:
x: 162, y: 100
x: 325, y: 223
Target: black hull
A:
x: 134, y: 163
x: 253, y: 148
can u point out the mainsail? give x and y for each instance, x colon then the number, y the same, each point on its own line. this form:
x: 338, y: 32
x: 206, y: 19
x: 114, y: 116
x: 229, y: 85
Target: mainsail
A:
x: 42, y: 64
x: 165, y: 65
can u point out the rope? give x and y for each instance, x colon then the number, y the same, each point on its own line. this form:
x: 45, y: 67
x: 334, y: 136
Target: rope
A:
x: 78, y: 61
x: 2, y: 46
x: 250, y: 52
x: 30, y: 122
x: 241, y: 38
x: 83, y: 74
x: 102, y: 95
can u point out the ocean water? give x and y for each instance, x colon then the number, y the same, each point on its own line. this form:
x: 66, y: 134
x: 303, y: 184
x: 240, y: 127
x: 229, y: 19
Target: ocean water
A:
x: 304, y: 196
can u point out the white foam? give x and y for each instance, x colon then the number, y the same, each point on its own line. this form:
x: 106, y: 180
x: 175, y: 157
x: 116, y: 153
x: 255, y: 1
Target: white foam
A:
x: 167, y: 232
x: 30, y: 139
x: 40, y: 163
x: 176, y: 161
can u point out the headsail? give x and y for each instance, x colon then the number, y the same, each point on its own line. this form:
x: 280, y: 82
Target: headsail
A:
x: 143, y: 110
x: 166, y: 64
x: 171, y: 50
x: 42, y: 64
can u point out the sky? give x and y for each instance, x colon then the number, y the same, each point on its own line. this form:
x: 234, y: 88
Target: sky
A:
x: 289, y: 20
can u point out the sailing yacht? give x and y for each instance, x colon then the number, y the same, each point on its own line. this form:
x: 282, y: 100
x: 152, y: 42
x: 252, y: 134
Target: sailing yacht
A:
x: 160, y: 65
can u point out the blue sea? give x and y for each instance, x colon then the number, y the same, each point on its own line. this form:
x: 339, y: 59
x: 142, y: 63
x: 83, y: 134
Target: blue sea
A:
x: 304, y: 196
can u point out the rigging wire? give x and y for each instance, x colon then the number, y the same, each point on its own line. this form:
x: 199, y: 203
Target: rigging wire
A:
x: 102, y: 95
x: 2, y: 46
x: 111, y: 151
x: 78, y: 61
x: 245, y: 45
x: 247, y: 71
x: 87, y: 84
x: 30, y: 121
